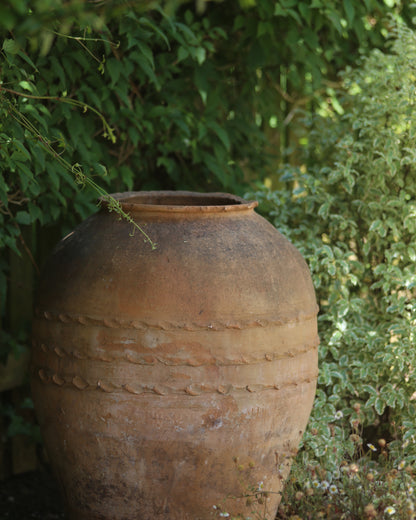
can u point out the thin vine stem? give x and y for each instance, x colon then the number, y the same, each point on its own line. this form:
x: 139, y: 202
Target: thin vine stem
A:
x: 85, y: 39
x: 82, y: 39
x: 108, y: 131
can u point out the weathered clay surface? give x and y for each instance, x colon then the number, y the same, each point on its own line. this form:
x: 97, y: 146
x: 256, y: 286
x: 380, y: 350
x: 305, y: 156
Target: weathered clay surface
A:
x: 169, y: 381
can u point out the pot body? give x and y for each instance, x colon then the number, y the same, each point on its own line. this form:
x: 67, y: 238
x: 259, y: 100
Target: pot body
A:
x: 168, y: 381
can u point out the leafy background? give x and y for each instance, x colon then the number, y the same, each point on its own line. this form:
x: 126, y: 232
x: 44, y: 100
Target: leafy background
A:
x: 244, y: 97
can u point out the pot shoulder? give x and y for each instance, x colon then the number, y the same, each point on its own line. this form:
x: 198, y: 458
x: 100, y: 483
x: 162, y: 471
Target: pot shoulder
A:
x: 202, y: 268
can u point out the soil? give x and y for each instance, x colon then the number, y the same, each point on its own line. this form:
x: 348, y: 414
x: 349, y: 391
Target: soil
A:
x: 30, y: 496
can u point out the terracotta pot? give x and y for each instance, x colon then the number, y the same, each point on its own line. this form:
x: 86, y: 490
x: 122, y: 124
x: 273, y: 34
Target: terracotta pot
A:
x: 170, y: 381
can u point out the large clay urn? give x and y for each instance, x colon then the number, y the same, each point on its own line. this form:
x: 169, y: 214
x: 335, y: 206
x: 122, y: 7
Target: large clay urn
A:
x: 169, y: 381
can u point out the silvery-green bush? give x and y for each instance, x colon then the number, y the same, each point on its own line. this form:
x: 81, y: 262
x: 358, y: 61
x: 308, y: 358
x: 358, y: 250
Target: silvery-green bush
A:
x: 351, y: 210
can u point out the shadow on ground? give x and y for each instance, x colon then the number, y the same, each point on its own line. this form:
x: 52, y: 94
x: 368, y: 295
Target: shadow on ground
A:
x: 30, y: 496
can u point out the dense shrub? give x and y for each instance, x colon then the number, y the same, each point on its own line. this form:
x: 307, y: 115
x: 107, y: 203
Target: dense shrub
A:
x: 351, y: 210
x: 159, y: 95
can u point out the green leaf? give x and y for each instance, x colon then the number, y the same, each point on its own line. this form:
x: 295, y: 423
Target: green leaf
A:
x: 127, y: 176
x: 279, y: 10
x: 369, y: 389
x: 35, y: 212
x: 412, y: 253
x: 202, y: 83
x: 334, y: 18
x: 200, y: 55
x: 10, y: 46
x: 27, y: 59
x: 264, y: 28
x: 134, y: 135
x: 349, y: 11
x: 332, y: 269
x: 25, y: 174
x: 379, y: 406
x: 215, y: 168
x: 114, y: 69
x: 182, y: 53
x: 147, y: 69
x: 324, y: 209
x: 59, y: 71
x: 23, y: 217
x: 221, y: 134
x: 146, y: 22
x: 305, y: 11
x: 147, y: 53
x: 295, y: 15
x: 20, y: 146
x: 26, y: 85
x: 53, y: 175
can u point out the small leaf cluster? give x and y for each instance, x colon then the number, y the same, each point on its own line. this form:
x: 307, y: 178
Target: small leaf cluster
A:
x: 351, y: 210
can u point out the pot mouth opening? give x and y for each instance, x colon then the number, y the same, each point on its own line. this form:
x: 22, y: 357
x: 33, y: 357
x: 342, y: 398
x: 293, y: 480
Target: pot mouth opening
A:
x: 180, y: 201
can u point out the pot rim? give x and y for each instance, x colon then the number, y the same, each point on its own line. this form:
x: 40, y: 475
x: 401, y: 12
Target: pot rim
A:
x: 179, y: 202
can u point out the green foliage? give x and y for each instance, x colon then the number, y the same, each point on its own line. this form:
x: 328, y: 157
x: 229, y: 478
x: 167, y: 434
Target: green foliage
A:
x: 134, y: 67
x: 295, y: 49
x: 369, y: 487
x: 351, y: 211
x: 157, y: 95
